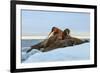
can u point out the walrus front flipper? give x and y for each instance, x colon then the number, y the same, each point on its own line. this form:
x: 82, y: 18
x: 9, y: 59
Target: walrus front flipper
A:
x: 37, y: 46
x: 29, y: 50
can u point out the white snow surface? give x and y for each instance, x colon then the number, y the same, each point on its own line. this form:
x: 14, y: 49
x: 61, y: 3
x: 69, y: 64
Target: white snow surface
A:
x: 77, y: 52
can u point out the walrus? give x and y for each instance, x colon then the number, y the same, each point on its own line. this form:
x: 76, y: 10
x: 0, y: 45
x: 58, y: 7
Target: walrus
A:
x: 58, y: 39
x: 55, y: 34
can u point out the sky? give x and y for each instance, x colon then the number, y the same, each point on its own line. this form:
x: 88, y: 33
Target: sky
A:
x: 41, y: 22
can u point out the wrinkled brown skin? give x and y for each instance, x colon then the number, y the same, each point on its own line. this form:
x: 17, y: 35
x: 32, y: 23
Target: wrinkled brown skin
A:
x: 43, y: 44
x: 55, y: 42
x: 63, y: 43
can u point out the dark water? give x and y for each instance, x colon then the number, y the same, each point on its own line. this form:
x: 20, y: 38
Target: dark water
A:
x: 30, y: 42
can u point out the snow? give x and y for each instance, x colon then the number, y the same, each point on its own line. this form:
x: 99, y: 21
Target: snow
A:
x: 77, y: 52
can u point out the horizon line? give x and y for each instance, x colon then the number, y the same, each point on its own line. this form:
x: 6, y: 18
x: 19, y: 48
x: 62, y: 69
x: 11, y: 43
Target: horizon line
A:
x: 44, y: 37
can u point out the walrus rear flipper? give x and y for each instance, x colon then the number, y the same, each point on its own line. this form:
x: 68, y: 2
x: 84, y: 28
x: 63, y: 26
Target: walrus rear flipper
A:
x: 86, y: 41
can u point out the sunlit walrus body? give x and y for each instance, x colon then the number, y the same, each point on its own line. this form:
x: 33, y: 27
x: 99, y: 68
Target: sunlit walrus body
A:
x: 58, y: 39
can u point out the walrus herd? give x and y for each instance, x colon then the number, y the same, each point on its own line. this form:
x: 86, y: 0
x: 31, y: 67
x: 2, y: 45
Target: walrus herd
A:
x: 57, y: 39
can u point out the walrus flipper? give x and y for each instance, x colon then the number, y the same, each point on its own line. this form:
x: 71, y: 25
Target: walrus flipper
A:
x: 86, y: 41
x: 37, y: 46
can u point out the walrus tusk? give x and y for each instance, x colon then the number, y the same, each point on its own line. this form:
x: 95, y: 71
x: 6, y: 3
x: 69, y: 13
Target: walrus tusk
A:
x: 51, y: 34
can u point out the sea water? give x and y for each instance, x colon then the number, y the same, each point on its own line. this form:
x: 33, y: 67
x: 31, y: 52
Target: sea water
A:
x: 30, y: 42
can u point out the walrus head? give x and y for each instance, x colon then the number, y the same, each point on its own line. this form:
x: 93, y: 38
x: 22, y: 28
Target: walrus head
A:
x: 54, y: 31
x: 66, y: 32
